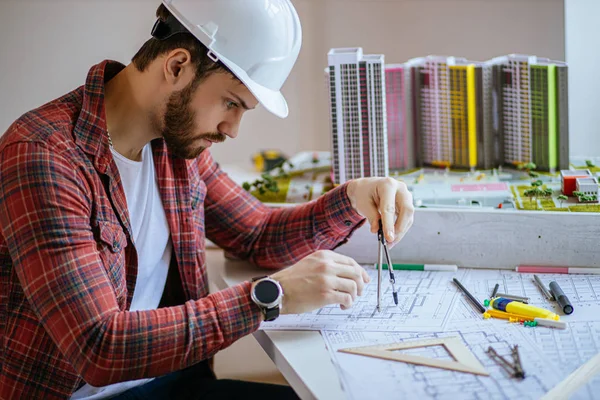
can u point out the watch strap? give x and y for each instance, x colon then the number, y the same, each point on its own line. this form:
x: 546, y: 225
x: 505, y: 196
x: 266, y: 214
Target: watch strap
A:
x: 271, y: 313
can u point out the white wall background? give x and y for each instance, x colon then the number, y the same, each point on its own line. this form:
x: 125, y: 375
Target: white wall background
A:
x: 582, y: 41
x: 47, y: 47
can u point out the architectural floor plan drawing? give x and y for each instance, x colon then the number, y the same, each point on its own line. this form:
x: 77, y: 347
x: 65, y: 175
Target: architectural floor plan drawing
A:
x: 570, y: 349
x: 370, y: 378
x: 548, y: 356
x: 426, y: 301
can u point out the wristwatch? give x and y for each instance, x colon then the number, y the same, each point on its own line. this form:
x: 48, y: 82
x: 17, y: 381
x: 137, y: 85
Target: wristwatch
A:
x: 267, y: 294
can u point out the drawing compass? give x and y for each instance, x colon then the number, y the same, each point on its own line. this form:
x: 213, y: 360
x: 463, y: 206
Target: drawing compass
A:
x: 384, y: 249
x: 514, y: 368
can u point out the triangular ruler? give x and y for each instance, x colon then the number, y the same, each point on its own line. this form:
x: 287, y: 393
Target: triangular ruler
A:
x: 465, y: 361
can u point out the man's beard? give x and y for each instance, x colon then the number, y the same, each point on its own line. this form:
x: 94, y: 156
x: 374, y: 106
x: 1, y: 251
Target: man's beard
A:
x: 178, y: 126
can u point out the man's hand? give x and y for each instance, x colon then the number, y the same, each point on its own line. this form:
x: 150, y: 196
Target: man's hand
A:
x: 320, y: 279
x: 385, y: 199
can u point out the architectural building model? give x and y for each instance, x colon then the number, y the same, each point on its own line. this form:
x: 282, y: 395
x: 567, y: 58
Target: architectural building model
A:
x: 531, y: 102
x: 358, y: 114
x: 451, y: 125
x: 587, y: 186
x: 402, y: 150
x: 446, y: 112
x: 569, y: 178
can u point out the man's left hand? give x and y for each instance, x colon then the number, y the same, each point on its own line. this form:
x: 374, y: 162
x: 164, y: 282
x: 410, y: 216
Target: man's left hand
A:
x: 384, y: 199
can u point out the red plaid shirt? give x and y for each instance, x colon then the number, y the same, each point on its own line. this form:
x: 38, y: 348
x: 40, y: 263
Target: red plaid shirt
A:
x: 68, y: 264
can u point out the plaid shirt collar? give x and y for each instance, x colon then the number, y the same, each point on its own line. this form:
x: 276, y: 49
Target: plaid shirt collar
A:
x: 90, y: 130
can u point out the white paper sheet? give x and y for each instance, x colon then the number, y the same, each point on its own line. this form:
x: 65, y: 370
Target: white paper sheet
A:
x: 548, y: 355
x: 426, y: 300
x: 546, y: 362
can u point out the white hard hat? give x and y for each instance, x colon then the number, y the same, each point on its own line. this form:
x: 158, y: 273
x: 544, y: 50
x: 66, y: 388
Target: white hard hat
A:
x: 258, y: 40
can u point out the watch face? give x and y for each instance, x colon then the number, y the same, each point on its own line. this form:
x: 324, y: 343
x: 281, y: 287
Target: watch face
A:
x: 266, y: 292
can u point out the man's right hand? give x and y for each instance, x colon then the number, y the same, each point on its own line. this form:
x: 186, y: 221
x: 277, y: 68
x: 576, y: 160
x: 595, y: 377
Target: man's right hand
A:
x: 320, y: 279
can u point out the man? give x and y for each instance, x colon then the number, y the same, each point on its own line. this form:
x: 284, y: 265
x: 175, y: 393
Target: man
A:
x: 108, y: 193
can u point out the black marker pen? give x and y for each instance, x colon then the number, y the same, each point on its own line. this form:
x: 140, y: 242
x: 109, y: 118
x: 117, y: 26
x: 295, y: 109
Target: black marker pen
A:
x: 562, y: 300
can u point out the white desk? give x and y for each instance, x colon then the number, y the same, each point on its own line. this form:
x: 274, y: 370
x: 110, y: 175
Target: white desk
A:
x: 300, y: 356
x: 303, y: 359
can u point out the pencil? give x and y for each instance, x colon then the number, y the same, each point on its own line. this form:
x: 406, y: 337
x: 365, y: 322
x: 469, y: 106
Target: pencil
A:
x: 495, y: 291
x: 472, y: 299
x: 542, y: 287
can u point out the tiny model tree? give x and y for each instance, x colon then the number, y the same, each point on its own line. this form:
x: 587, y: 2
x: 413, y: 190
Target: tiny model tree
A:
x: 537, y: 183
x: 562, y: 198
x: 530, y: 169
x: 579, y: 195
x: 538, y: 192
x: 268, y: 181
x: 534, y: 193
x: 589, y: 164
x: 529, y: 193
x: 588, y: 198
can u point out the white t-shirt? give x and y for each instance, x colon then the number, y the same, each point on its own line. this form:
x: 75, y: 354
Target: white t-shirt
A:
x: 152, y: 241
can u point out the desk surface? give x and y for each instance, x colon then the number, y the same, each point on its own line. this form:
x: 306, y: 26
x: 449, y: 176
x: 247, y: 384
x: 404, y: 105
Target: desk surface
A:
x: 301, y: 356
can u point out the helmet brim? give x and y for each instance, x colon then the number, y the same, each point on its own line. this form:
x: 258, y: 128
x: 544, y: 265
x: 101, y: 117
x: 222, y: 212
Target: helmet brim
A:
x: 272, y: 100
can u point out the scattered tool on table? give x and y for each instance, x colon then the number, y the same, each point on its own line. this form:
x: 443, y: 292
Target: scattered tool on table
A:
x: 542, y: 287
x: 520, y: 299
x: 526, y: 320
x: 525, y: 310
x: 505, y: 315
x: 464, y: 360
x: 514, y: 368
x: 423, y: 267
x: 533, y: 269
x: 383, y: 245
x: 471, y: 298
x: 561, y: 299
x: 495, y: 291
x: 550, y: 323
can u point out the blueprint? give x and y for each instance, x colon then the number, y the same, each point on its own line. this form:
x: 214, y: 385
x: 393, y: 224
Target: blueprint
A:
x: 571, y: 348
x: 548, y: 356
x: 371, y: 378
x: 426, y: 300
x: 432, y: 307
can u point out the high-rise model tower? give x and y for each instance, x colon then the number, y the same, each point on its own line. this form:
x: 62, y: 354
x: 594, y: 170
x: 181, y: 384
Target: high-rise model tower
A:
x: 453, y: 126
x: 402, y: 149
x: 358, y: 114
x: 532, y: 104
x: 435, y: 132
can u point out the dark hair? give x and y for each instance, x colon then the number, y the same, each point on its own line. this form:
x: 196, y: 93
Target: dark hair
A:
x: 154, y: 48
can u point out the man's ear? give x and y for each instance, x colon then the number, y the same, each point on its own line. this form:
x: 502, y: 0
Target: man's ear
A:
x: 178, y: 69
